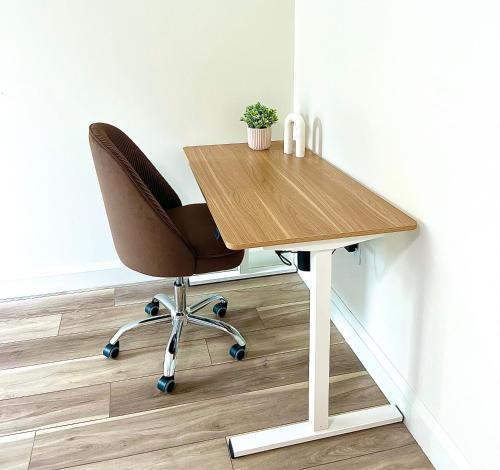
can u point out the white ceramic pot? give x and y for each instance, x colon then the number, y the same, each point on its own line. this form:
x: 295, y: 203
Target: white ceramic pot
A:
x: 259, y: 139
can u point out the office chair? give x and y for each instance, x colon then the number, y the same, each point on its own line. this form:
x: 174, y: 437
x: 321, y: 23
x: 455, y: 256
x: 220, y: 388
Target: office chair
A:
x: 155, y: 234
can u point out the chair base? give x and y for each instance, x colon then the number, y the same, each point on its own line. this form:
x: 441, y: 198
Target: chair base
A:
x: 179, y: 314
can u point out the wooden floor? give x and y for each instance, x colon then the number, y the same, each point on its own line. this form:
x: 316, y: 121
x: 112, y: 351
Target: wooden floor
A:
x: 64, y: 405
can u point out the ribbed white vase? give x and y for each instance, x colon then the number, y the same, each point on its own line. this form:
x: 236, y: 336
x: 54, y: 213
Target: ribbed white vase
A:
x: 259, y: 139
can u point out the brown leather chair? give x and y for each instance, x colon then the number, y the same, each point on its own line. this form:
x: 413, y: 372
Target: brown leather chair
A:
x: 155, y: 234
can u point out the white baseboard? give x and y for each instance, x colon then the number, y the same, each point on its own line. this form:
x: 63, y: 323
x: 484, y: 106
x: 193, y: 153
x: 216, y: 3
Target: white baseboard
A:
x: 431, y: 437
x: 82, y: 280
x: 101, y: 278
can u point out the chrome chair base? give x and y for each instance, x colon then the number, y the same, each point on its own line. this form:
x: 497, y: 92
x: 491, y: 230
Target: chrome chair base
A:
x: 179, y: 314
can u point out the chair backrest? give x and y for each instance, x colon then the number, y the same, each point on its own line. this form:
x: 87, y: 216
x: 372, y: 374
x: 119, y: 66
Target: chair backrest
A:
x: 137, y: 198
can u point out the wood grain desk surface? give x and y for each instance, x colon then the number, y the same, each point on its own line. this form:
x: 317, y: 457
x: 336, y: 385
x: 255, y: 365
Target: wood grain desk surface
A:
x: 266, y: 198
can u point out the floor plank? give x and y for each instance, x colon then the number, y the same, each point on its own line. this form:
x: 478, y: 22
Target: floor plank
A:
x: 68, y: 347
x: 325, y: 451
x: 65, y: 375
x: 90, y: 343
x: 54, y: 409
x: 108, y: 318
x: 224, y: 380
x: 144, y: 291
x: 288, y: 314
x: 245, y: 321
x: 47, y: 305
x: 15, y: 451
x: 193, y: 422
x: 244, y: 298
x: 268, y: 341
x: 409, y: 457
x: 113, y: 318
x: 200, y: 455
x: 22, y: 329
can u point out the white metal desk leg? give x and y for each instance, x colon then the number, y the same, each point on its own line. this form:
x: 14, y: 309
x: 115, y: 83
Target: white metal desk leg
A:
x: 319, y: 425
x: 319, y: 337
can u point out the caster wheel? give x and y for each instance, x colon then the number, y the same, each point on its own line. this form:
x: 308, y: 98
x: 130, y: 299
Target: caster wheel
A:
x: 220, y: 309
x: 166, y: 384
x: 237, y: 352
x: 153, y: 308
x: 111, y: 351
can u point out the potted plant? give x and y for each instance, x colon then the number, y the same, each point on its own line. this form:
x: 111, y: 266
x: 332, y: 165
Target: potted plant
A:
x: 259, y: 119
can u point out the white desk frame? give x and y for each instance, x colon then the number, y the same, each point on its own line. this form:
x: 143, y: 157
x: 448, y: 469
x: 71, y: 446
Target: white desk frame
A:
x: 320, y: 424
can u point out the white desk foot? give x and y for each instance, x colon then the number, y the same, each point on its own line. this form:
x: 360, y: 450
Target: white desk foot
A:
x: 273, y: 438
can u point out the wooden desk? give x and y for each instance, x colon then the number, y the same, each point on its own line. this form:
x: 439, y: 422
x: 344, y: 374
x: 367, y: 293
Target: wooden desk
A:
x: 269, y: 199
x: 265, y: 198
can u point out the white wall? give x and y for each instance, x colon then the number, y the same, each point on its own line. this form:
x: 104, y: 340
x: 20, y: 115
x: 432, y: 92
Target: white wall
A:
x: 169, y: 73
x: 408, y: 97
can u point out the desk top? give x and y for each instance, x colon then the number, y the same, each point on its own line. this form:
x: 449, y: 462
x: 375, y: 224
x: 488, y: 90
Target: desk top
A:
x: 266, y: 198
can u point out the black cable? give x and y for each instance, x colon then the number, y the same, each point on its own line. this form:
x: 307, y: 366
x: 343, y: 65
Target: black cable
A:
x: 284, y: 260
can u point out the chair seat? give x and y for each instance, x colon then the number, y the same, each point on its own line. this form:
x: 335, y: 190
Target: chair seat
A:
x: 195, y: 222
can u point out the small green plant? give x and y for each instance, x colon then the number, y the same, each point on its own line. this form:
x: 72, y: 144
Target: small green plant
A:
x: 258, y: 116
